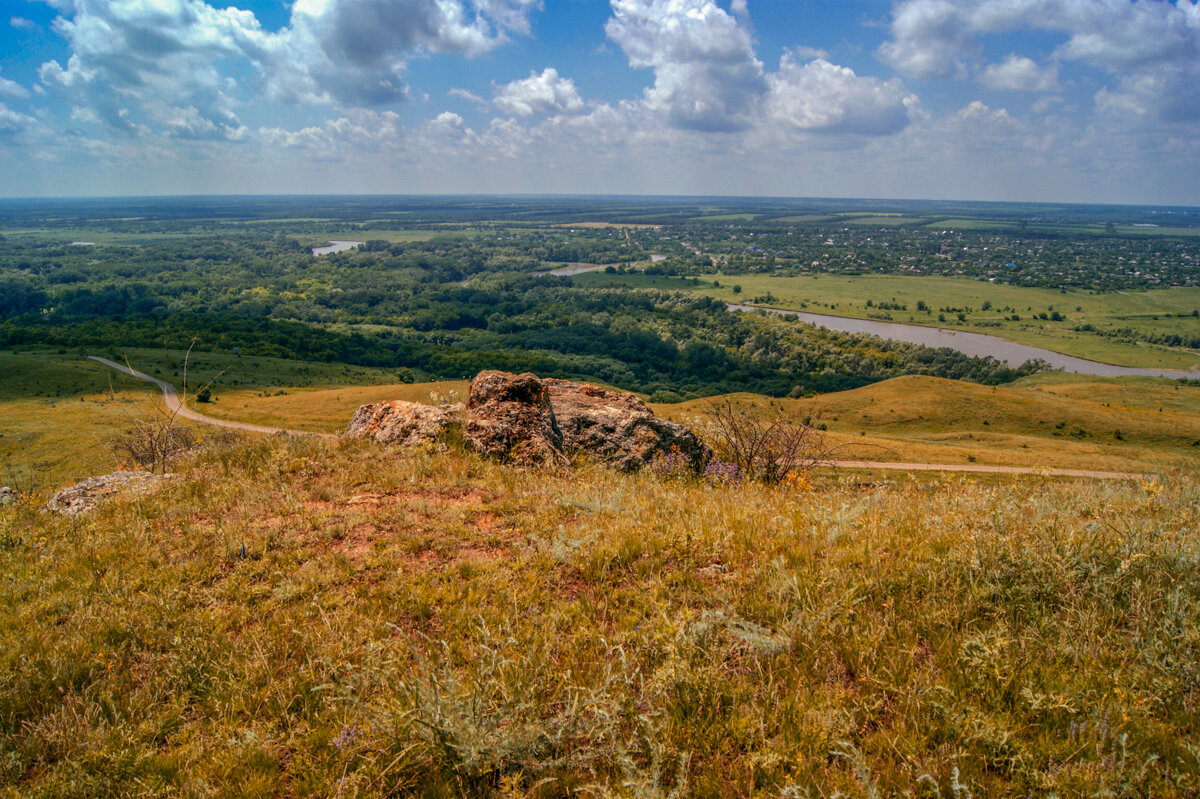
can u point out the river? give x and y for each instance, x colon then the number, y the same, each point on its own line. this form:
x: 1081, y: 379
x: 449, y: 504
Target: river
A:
x: 336, y: 246
x: 974, y: 344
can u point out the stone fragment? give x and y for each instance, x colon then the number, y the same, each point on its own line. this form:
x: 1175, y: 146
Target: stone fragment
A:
x: 509, y: 417
x: 85, y: 496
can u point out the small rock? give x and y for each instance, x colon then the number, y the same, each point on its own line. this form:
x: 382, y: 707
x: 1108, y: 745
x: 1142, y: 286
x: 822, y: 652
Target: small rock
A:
x: 7, y: 495
x: 83, y: 497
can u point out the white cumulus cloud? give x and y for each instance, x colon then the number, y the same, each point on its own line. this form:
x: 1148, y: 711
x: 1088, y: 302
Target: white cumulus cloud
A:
x: 10, y: 88
x: 1151, y: 46
x: 547, y: 93
x: 825, y: 98
x: 706, y: 75
x: 1019, y: 74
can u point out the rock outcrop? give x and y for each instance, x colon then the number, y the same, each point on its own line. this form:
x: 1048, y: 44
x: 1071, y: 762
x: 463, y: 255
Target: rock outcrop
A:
x: 404, y: 423
x: 525, y: 420
x: 509, y: 417
x: 617, y: 427
x: 83, y: 497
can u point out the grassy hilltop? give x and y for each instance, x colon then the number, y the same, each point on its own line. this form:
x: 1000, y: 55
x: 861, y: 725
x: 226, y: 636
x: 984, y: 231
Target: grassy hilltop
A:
x: 331, y: 618
x: 313, y: 618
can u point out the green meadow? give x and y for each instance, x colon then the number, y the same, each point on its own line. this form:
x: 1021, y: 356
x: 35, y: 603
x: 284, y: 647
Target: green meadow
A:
x: 1158, y: 311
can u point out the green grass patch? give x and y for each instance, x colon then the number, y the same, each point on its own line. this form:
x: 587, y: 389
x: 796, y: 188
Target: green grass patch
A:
x: 1149, y: 312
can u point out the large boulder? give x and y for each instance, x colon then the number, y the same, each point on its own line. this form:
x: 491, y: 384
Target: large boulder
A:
x: 617, y: 427
x: 85, y: 496
x: 525, y: 420
x: 404, y: 423
x: 509, y: 417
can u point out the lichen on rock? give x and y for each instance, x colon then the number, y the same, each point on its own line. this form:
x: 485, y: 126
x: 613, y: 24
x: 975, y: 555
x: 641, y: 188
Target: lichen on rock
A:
x: 529, y: 421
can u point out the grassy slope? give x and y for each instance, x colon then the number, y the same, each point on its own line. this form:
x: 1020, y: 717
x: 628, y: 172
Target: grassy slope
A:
x: 1061, y: 421
x: 297, y: 617
x: 1134, y: 309
x: 59, y: 419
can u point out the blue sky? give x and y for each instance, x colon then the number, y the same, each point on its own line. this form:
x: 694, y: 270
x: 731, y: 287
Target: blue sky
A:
x: 1044, y: 100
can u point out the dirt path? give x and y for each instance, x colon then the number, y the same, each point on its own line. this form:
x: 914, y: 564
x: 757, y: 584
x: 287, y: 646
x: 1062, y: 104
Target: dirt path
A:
x: 175, y: 405
x: 980, y: 467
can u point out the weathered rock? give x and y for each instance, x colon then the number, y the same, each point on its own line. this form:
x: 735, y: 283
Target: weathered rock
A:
x: 509, y: 417
x: 405, y: 423
x: 7, y: 495
x: 83, y: 497
x: 616, y: 426
x: 525, y: 420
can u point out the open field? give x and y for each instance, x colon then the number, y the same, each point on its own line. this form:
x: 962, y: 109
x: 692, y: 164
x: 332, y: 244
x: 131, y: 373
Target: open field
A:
x: 60, y: 418
x: 881, y: 219
x: 1051, y: 421
x: 311, y: 618
x: 1159, y: 311
x: 1058, y: 227
x: 60, y: 415
x: 60, y: 422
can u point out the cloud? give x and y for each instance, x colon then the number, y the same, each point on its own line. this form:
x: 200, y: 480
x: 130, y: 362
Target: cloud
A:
x: 1019, y: 74
x: 470, y: 97
x: 930, y: 39
x: 12, y: 123
x: 825, y: 98
x: 10, y: 88
x: 171, y: 62
x: 706, y: 75
x: 22, y: 24
x: 546, y: 93
x: 1152, y: 46
x: 355, y: 52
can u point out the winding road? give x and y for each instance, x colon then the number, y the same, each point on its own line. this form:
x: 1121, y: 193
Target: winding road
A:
x: 176, y: 406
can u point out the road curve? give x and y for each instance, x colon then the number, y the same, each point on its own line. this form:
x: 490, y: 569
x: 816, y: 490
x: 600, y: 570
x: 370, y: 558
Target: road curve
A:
x: 175, y: 405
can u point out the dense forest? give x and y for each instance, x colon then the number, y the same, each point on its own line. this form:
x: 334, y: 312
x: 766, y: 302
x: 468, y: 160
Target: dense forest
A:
x: 444, y: 287
x: 445, y: 307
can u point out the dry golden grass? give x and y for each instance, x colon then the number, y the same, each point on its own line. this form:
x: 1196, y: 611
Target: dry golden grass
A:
x: 313, y: 618
x: 1052, y: 421
x: 323, y: 410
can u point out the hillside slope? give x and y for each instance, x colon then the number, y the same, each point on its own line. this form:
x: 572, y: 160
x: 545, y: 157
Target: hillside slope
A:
x: 301, y: 617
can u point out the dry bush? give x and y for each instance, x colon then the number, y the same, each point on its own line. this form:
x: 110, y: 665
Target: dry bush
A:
x: 153, y: 442
x: 763, y: 448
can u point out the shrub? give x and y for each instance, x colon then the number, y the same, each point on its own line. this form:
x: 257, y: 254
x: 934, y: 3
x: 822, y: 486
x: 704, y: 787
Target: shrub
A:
x: 153, y: 442
x: 763, y: 448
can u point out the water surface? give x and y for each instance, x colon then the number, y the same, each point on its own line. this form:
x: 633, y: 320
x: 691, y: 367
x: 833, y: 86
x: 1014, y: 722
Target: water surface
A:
x: 975, y: 344
x: 336, y: 246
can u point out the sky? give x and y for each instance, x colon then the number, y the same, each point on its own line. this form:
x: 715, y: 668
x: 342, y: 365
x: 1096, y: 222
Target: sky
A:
x: 1007, y: 100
